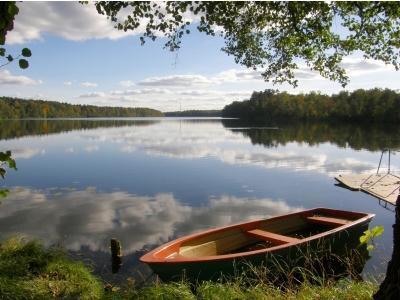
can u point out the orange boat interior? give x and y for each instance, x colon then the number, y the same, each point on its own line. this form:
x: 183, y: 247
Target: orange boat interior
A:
x: 258, y: 235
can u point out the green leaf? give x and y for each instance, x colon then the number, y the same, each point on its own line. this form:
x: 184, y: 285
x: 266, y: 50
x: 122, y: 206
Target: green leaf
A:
x: 12, y: 164
x: 26, y: 52
x: 2, y: 51
x: 4, y: 193
x: 23, y: 63
x: 13, y: 9
x: 377, y: 231
x: 370, y: 247
x: 4, y: 156
x: 363, y: 239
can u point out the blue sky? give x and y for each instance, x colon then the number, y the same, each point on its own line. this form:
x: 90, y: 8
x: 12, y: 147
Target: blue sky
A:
x: 78, y: 57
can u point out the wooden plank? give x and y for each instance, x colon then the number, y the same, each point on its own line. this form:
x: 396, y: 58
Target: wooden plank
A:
x: 382, y: 186
x: 272, y: 237
x: 386, y: 188
x: 357, y: 181
x: 284, y: 225
x: 222, y: 245
x: 206, y: 249
x: 328, y: 221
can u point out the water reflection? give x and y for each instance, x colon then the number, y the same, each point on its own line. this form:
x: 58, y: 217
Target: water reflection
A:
x: 157, y: 179
x: 89, y: 218
x: 372, y: 137
x: 206, y: 140
x: 10, y: 129
x: 26, y: 153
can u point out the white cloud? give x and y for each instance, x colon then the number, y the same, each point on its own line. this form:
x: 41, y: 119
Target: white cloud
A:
x: 67, y: 83
x: 357, y: 66
x: 92, y: 95
x: 303, y: 73
x: 127, y: 83
x: 176, y: 81
x: 70, y: 20
x: 89, y: 84
x: 140, y: 92
x: 235, y: 75
x: 168, y: 98
x: 192, y: 91
x: 6, y: 78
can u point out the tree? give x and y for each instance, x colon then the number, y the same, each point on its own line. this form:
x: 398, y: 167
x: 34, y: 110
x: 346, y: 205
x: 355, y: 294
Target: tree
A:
x: 273, y: 36
x: 367, y: 106
x: 8, y: 11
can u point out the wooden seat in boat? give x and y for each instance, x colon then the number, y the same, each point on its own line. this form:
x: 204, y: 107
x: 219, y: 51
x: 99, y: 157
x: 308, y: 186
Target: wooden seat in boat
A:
x: 327, y: 221
x: 274, y: 238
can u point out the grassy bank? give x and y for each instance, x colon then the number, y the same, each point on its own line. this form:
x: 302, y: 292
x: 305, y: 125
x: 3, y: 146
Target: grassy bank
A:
x: 344, y: 289
x: 29, y: 271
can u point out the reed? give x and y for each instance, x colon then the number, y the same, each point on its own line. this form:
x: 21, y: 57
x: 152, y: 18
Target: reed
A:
x: 30, y: 271
x: 315, y: 274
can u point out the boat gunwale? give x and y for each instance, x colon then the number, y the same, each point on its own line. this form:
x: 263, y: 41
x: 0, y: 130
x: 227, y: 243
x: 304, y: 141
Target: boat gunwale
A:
x: 150, y: 257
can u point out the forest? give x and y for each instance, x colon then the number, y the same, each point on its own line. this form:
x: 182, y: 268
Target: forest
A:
x: 15, y: 108
x: 374, y: 105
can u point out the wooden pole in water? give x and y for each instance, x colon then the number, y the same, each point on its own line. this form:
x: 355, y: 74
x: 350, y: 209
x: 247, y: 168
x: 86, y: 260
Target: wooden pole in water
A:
x: 116, y: 255
x: 116, y: 249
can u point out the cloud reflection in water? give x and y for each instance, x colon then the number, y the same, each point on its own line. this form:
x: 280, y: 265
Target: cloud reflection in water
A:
x: 89, y: 218
x: 200, y: 140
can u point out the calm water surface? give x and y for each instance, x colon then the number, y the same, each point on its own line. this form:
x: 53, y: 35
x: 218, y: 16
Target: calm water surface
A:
x: 146, y: 181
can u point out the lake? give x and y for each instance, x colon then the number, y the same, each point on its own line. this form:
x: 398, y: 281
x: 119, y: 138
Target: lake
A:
x: 145, y: 181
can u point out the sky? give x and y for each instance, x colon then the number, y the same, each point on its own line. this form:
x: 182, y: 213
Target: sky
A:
x: 79, y: 58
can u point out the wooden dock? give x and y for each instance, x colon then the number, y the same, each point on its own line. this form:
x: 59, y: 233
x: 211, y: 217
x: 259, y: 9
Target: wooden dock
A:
x: 382, y: 186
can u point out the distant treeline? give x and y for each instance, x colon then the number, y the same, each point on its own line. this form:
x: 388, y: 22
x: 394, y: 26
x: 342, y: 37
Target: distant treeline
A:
x: 194, y: 113
x: 10, y: 129
x: 375, y: 105
x: 14, y: 108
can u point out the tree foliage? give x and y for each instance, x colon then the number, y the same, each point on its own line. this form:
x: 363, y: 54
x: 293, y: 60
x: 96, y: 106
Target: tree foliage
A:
x: 14, y: 108
x: 8, y: 11
x: 6, y: 161
x: 375, y: 105
x: 275, y: 36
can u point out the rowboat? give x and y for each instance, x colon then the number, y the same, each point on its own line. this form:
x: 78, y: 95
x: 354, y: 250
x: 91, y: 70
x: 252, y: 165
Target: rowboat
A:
x: 208, y: 254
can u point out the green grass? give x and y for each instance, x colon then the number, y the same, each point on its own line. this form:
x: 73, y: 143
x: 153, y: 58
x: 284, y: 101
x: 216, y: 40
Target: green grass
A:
x: 344, y: 289
x: 29, y: 271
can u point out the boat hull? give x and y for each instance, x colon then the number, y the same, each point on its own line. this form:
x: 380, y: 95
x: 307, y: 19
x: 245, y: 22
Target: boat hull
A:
x: 340, y: 242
